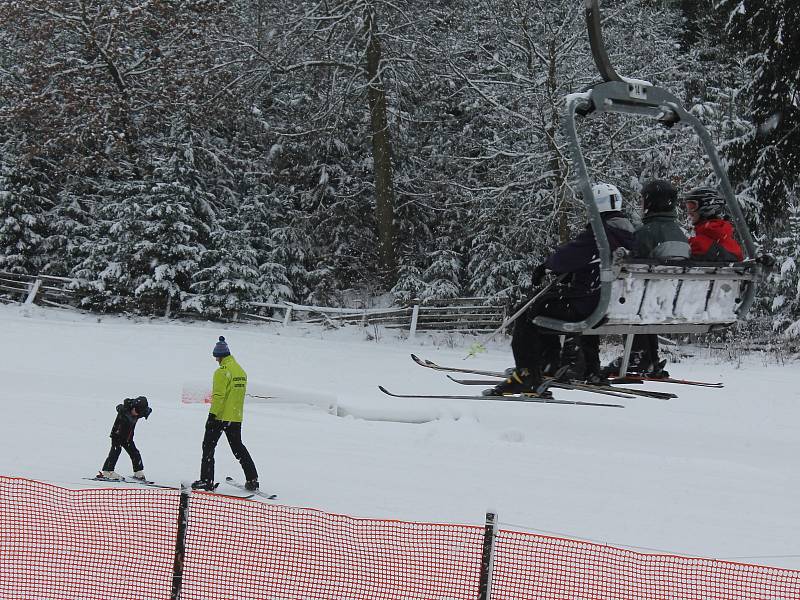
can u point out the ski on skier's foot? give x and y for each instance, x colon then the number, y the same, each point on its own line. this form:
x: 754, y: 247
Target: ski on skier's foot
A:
x: 132, y: 480
x: 531, y: 397
x: 583, y: 387
x: 586, y: 387
x: 241, y: 486
x: 642, y: 378
x: 215, y: 490
x: 429, y: 364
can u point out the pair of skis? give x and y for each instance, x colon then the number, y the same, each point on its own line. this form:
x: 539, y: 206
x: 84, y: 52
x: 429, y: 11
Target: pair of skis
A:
x: 135, y: 480
x: 609, y: 390
x: 229, y: 480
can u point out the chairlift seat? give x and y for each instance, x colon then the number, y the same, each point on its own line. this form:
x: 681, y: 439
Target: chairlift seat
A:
x: 678, y: 296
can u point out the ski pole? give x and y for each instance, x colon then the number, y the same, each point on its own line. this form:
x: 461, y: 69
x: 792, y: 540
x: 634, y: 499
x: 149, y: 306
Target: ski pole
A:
x: 479, y: 346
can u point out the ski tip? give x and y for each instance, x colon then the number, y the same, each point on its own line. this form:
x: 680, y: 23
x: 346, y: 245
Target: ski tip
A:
x: 384, y: 390
x: 229, y: 479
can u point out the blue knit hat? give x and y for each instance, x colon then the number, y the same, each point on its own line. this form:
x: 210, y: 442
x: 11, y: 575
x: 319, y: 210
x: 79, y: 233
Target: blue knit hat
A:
x: 221, y: 348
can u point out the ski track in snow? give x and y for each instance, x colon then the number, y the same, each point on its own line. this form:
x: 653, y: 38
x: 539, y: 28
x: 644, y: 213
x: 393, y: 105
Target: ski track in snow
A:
x: 711, y: 473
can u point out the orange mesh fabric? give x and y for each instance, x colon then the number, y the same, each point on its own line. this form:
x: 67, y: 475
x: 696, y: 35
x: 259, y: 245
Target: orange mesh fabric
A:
x: 59, y: 543
x: 529, y: 566
x: 244, y: 549
x: 119, y: 544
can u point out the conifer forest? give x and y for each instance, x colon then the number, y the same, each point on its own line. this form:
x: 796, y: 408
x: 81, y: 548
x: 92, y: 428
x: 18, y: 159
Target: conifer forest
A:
x: 172, y: 155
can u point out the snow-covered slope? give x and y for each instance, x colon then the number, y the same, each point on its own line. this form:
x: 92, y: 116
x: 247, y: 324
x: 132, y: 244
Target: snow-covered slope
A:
x: 712, y: 473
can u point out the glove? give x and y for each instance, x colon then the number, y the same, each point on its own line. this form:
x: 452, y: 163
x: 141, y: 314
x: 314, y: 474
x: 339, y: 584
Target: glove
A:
x: 767, y: 260
x: 538, y: 274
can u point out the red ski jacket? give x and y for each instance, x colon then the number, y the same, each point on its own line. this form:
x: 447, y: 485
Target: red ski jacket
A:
x: 713, y: 240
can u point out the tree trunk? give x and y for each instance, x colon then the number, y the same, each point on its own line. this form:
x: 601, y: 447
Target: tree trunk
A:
x: 381, y: 148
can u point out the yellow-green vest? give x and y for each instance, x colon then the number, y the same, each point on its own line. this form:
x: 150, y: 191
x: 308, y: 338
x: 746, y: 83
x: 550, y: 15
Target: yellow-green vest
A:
x: 227, y: 393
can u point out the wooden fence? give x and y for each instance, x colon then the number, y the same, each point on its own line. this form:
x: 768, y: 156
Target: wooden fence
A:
x: 41, y: 289
x: 451, y: 314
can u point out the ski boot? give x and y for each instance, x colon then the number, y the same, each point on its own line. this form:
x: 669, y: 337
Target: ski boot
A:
x: 596, y: 379
x: 139, y: 476
x: 251, y: 485
x: 204, y: 484
x: 657, y: 371
x: 111, y: 475
x: 520, y: 381
x: 638, y: 365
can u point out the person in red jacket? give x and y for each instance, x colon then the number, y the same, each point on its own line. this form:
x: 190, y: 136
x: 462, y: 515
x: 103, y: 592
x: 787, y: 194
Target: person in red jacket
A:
x: 713, y: 234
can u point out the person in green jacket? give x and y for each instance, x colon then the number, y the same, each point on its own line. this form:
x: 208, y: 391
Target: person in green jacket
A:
x: 659, y: 237
x: 225, y: 415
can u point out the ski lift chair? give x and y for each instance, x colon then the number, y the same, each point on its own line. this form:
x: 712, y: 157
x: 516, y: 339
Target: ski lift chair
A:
x: 644, y: 296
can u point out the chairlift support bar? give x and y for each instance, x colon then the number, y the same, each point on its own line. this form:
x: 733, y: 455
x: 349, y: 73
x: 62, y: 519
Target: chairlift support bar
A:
x: 639, y: 98
x: 594, y: 27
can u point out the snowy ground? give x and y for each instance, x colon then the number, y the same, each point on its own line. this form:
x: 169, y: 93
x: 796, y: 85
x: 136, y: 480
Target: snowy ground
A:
x: 712, y: 473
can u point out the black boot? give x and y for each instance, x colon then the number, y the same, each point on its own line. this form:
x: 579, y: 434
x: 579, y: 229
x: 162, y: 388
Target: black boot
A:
x: 572, y: 356
x: 596, y: 379
x: 520, y: 381
x: 204, y: 484
x: 657, y: 371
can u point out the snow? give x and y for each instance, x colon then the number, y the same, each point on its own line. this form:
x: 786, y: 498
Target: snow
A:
x: 712, y: 473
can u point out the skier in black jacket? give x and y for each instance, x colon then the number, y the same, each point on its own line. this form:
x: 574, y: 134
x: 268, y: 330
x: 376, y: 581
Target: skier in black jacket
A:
x: 128, y: 413
x: 533, y: 346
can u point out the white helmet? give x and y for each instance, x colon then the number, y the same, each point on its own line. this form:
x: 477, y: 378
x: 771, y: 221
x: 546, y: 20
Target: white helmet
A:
x: 607, y: 197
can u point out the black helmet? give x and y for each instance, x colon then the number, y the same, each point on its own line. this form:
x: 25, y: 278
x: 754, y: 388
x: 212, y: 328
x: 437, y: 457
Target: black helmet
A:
x: 708, y: 201
x: 659, y: 195
x: 141, y: 406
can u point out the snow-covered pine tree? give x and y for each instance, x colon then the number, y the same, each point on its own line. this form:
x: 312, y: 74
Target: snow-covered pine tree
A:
x: 228, y: 278
x: 168, y: 251
x: 104, y: 280
x: 265, y: 219
x: 23, y: 216
x: 443, y: 276
x: 409, y: 282
x: 766, y: 161
x: 782, y: 301
x: 72, y: 225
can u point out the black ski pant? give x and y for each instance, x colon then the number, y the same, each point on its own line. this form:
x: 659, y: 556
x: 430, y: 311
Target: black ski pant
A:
x: 535, y: 347
x: 116, y: 447
x: 646, y: 346
x: 233, y: 431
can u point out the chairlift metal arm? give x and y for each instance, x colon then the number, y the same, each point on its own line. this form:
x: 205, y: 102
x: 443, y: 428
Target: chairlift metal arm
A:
x: 579, y: 103
x: 594, y: 26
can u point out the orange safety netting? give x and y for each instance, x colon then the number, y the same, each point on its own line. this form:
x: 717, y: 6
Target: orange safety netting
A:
x: 59, y: 543
x: 120, y: 543
x: 243, y: 549
x: 529, y: 566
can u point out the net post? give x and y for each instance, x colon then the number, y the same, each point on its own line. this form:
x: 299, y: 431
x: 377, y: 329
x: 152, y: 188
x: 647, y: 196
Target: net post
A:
x: 180, y: 543
x: 487, y: 558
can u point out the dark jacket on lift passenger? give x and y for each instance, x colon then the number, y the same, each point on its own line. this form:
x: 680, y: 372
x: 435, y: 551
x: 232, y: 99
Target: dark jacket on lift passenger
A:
x: 582, y: 258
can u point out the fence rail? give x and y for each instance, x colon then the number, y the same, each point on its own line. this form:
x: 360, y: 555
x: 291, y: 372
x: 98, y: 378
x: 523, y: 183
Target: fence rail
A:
x: 159, y: 543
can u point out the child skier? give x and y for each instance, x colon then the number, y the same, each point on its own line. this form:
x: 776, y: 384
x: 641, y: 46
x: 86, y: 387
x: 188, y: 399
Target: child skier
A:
x: 128, y: 413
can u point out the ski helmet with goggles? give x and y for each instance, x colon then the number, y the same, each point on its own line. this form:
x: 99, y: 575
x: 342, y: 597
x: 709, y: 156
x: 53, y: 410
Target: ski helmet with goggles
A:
x: 707, y: 201
x: 659, y: 195
x: 607, y: 197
